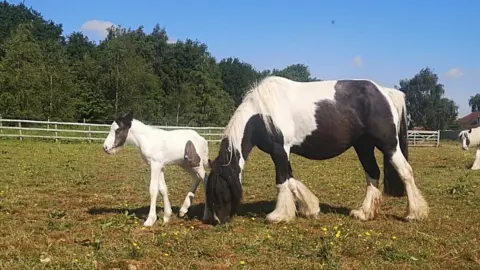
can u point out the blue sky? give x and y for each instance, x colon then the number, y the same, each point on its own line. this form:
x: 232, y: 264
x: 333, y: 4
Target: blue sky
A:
x: 381, y: 40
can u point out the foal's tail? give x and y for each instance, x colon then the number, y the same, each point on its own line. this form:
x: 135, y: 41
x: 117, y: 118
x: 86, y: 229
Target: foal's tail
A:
x: 392, y: 183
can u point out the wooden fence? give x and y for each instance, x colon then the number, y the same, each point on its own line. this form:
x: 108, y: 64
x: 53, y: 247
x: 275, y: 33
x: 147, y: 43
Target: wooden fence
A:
x: 22, y: 129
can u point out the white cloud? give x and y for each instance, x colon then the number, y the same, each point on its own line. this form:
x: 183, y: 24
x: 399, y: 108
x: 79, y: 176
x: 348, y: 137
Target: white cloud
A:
x: 172, y: 41
x: 97, y: 27
x: 358, y: 61
x: 454, y: 73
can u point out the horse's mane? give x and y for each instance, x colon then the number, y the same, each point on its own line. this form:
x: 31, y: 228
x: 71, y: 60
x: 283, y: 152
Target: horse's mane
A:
x: 265, y: 98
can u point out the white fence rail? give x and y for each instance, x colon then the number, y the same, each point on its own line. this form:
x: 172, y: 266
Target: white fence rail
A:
x: 21, y: 129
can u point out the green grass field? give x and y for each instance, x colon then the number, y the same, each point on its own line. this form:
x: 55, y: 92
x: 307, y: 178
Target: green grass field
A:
x: 70, y: 206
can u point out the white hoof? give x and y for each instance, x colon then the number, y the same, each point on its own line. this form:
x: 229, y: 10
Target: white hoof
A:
x: 166, y: 217
x: 417, y: 214
x: 358, y: 214
x: 150, y: 221
x: 371, y: 205
x: 275, y: 217
x: 308, y: 204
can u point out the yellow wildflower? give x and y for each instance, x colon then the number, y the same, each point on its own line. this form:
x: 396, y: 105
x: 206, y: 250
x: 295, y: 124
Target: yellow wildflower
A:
x: 324, y: 229
x: 335, y: 227
x: 394, y: 237
x: 75, y: 260
x: 242, y: 262
x: 165, y: 254
x: 253, y: 219
x: 338, y: 234
x: 367, y: 233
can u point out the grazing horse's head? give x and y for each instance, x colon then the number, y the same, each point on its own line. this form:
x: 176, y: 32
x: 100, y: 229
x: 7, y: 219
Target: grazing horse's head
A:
x: 223, y: 187
x: 118, y: 133
x: 464, y: 136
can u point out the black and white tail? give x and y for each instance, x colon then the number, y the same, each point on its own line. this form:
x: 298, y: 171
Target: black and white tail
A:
x: 392, y: 183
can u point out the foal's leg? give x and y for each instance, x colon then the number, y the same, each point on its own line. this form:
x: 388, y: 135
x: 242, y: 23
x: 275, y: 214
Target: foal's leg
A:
x: 476, y: 162
x: 373, y: 197
x: 197, y: 174
x: 289, y: 189
x: 162, y: 187
x: 155, y: 170
x: 417, y: 206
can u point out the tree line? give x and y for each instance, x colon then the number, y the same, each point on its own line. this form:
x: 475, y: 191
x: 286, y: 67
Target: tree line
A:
x: 46, y: 75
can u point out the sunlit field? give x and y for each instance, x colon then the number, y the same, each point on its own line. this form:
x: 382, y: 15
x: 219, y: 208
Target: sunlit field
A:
x: 71, y: 206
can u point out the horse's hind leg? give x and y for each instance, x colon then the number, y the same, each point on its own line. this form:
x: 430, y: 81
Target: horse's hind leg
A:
x: 373, y: 197
x: 198, y: 175
x: 476, y: 162
x: 417, y: 206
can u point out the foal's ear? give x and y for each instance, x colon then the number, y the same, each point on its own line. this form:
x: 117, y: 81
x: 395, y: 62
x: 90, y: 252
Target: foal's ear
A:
x: 470, y: 131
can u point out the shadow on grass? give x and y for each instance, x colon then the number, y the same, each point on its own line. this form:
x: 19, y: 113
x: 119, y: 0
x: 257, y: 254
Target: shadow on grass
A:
x: 251, y: 209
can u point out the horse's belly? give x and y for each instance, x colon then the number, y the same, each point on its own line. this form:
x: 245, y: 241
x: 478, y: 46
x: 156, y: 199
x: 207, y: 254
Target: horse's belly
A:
x: 320, y: 149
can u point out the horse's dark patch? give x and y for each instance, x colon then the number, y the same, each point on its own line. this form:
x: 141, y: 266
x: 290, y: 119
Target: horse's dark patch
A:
x: 121, y: 133
x: 191, y: 156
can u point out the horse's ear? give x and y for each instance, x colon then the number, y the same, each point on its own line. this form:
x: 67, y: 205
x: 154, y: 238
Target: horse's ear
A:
x: 128, y: 116
x: 470, y: 131
x: 127, y: 119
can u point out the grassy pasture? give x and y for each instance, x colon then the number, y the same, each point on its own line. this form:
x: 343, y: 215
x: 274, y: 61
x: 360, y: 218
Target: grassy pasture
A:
x: 70, y: 206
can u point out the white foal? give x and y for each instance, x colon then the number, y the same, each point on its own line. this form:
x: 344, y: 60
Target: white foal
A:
x: 185, y: 148
x: 471, y: 138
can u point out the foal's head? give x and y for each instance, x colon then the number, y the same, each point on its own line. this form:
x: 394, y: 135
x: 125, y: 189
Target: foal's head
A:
x: 223, y: 188
x: 464, y: 136
x: 118, y: 133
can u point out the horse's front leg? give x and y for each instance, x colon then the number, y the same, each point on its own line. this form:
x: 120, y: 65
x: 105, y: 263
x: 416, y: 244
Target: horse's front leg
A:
x: 155, y: 170
x: 289, y: 190
x: 162, y: 187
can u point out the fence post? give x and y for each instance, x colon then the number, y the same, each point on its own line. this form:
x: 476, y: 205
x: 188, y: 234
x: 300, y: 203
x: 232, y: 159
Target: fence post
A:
x: 48, y: 124
x: 1, y: 125
x: 438, y: 138
x: 56, y: 133
x: 20, y: 130
x: 89, y: 134
x: 414, y: 138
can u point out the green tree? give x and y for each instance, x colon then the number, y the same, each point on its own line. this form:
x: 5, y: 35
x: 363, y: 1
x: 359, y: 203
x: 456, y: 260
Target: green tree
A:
x: 11, y: 16
x: 238, y: 77
x: 128, y: 78
x: 22, y: 79
x: 196, y: 96
x: 425, y: 102
x: 474, y: 103
x: 296, y: 72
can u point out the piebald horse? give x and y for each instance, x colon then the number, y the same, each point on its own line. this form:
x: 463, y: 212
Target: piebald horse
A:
x: 471, y: 138
x: 316, y: 120
x: 159, y: 148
